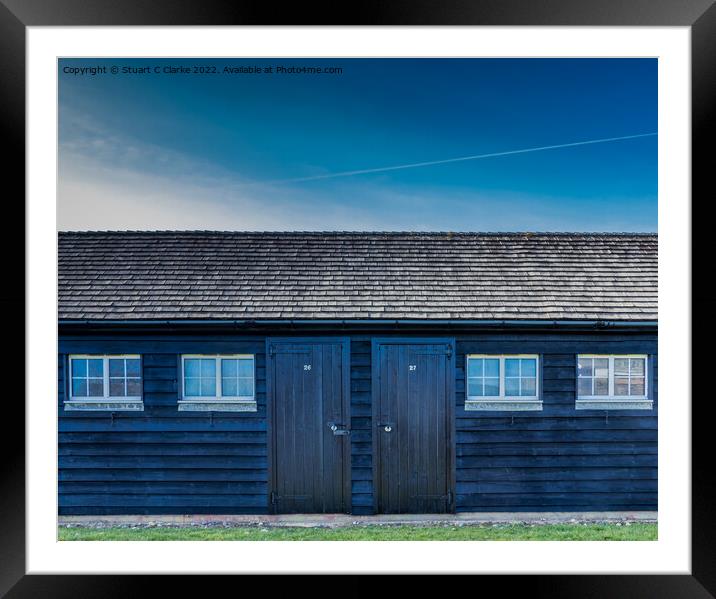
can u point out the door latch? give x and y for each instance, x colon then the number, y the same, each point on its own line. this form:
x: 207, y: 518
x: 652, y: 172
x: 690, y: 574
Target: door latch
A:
x: 338, y: 429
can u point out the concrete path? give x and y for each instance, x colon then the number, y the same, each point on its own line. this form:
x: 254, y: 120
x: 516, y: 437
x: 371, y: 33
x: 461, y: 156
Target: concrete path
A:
x: 338, y: 520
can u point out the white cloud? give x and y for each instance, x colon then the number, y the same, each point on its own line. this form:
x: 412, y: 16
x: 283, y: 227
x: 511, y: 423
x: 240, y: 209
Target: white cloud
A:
x: 110, y: 182
x: 116, y: 199
x: 95, y: 196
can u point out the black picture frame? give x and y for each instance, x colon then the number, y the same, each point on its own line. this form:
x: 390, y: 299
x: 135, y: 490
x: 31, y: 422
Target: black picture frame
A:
x: 699, y: 15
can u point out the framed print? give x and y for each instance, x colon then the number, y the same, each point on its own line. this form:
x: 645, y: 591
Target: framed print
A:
x: 459, y: 232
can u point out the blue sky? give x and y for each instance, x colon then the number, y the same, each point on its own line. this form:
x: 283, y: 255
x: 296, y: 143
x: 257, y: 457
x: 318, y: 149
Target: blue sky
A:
x: 240, y: 151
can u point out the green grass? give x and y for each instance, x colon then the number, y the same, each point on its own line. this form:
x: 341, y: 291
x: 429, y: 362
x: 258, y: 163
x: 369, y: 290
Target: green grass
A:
x: 502, y: 532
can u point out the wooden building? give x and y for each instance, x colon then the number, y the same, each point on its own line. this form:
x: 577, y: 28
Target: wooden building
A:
x: 233, y: 372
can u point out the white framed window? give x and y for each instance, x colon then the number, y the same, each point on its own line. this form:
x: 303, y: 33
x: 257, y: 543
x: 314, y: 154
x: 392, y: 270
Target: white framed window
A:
x: 613, y: 381
x: 104, y: 382
x: 502, y: 382
x: 218, y: 382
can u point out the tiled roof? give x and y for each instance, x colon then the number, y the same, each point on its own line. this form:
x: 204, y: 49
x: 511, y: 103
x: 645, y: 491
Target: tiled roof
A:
x: 340, y: 275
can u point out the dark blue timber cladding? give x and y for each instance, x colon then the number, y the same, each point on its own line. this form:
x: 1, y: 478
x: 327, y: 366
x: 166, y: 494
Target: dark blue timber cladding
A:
x: 161, y: 460
x: 361, y: 433
x: 557, y: 459
x: 165, y: 461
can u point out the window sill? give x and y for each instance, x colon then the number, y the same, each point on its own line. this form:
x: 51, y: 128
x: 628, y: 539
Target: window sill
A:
x: 104, y: 405
x: 511, y: 405
x: 217, y: 405
x: 614, y: 404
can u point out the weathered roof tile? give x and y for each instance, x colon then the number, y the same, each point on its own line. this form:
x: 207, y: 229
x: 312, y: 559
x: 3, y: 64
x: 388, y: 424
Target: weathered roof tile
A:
x: 226, y: 275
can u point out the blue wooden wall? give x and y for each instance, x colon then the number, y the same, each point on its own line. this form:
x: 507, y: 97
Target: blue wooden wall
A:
x: 162, y: 461
x: 560, y: 458
x: 361, y: 428
x: 165, y: 461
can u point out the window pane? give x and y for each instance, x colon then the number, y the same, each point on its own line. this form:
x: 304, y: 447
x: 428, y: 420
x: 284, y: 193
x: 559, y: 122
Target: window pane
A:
x: 95, y: 368
x: 116, y: 387
x: 134, y: 387
x: 246, y: 367
x: 474, y: 387
x: 96, y: 387
x: 229, y: 367
x: 585, y: 387
x: 79, y: 387
x: 512, y: 386
x: 601, y: 367
x: 134, y: 367
x: 621, y: 365
x: 116, y: 367
x: 79, y: 368
x: 191, y: 387
x: 208, y: 387
x: 529, y: 367
x: 492, y: 387
x: 246, y: 387
x: 621, y: 385
x: 529, y: 386
x: 474, y: 367
x: 191, y: 367
x: 584, y: 367
x: 208, y: 368
x: 492, y: 367
x: 512, y: 367
x: 601, y: 386
x: 228, y: 387
x: 637, y: 386
x: 637, y: 366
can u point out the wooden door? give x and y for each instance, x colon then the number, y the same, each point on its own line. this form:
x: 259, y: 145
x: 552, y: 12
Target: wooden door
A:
x: 308, y: 388
x: 413, y: 428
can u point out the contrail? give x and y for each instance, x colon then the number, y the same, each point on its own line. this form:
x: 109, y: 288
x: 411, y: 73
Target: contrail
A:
x: 383, y: 169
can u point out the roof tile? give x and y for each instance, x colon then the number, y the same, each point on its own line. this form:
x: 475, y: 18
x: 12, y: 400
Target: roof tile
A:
x: 246, y: 275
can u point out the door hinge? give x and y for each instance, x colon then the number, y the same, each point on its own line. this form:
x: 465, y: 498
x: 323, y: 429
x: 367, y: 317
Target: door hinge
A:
x: 272, y: 351
x: 449, y: 498
x: 449, y: 352
x: 274, y: 497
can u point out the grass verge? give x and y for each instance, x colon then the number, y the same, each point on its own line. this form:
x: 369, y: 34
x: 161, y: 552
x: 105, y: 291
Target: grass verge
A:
x: 491, y: 532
